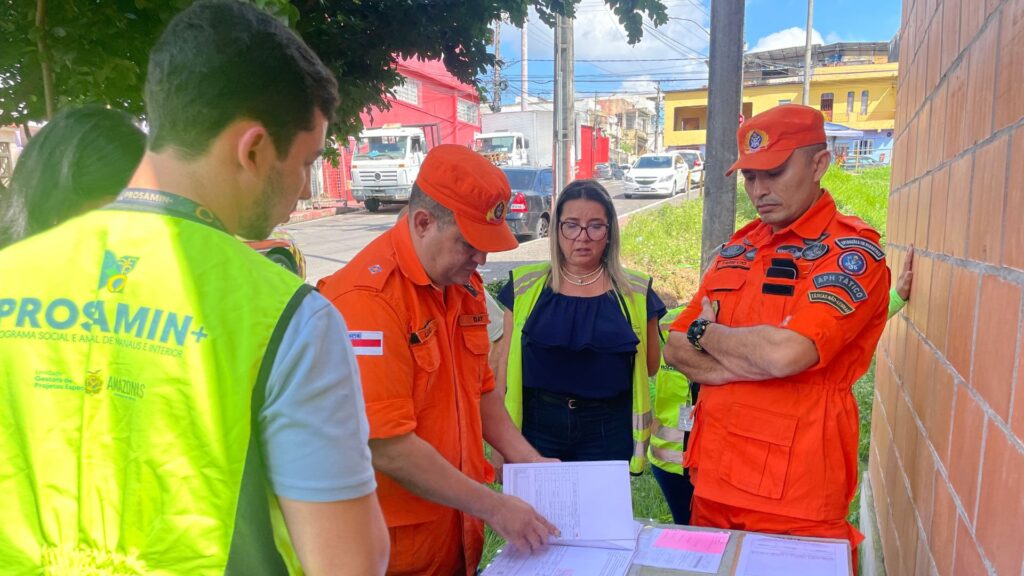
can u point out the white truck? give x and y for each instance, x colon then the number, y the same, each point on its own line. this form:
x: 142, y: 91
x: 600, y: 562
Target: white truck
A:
x: 386, y: 162
x: 516, y: 138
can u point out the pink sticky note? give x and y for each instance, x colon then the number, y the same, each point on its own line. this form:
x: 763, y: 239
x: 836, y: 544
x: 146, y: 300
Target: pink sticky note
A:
x: 693, y: 541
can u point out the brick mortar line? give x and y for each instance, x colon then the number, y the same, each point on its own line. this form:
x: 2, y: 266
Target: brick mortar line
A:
x: 1010, y: 275
x: 1006, y: 130
x: 959, y: 379
x: 961, y: 510
x: 956, y: 63
x: 922, y: 532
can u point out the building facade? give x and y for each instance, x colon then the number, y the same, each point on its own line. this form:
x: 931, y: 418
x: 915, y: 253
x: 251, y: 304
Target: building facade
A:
x: 853, y: 84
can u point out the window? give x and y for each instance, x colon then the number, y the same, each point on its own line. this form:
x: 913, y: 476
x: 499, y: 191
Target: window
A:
x: 849, y: 102
x: 691, y: 124
x: 408, y: 91
x: 826, y: 105
x: 862, y: 148
x: 783, y: 102
x: 864, y: 103
x: 468, y: 112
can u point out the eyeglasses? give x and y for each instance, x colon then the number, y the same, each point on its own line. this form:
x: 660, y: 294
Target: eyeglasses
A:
x: 572, y: 230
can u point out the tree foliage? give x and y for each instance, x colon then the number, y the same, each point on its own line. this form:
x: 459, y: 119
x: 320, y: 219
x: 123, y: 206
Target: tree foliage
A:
x: 97, y: 49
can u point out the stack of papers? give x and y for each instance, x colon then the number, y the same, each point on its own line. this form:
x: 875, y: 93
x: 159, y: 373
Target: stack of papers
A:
x: 696, y: 551
x: 591, y: 505
x: 774, y: 556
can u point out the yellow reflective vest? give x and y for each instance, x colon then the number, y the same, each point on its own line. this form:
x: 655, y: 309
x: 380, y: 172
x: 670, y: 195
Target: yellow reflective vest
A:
x: 671, y: 398
x: 135, y: 345
x: 527, y: 283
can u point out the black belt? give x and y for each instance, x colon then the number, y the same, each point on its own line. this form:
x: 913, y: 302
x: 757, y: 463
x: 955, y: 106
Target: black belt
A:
x: 573, y: 402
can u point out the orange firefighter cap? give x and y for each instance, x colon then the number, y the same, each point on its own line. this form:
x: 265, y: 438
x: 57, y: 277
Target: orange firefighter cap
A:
x: 769, y: 138
x: 475, y: 190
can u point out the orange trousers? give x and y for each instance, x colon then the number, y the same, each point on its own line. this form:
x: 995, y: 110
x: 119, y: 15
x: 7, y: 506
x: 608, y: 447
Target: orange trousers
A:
x: 429, y: 549
x: 717, y: 515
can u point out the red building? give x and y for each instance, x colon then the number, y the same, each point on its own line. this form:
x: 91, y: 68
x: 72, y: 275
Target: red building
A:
x: 430, y: 95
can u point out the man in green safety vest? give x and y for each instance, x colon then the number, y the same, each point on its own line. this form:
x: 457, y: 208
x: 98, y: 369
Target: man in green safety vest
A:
x: 173, y: 402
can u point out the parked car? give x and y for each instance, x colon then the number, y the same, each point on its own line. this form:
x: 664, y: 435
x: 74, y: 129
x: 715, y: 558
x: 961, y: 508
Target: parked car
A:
x: 855, y: 163
x: 529, y: 208
x: 665, y: 173
x: 281, y: 249
x: 695, y: 160
x: 618, y: 170
x: 602, y: 171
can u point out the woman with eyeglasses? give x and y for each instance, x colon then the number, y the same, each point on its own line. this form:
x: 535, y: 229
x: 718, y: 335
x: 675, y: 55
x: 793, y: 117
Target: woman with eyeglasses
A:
x: 584, y: 339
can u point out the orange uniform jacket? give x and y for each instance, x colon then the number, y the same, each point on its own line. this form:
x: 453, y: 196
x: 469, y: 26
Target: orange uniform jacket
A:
x: 423, y: 364
x: 789, y: 446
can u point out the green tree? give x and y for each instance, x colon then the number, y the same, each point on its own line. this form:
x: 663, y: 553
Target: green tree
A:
x: 63, y: 52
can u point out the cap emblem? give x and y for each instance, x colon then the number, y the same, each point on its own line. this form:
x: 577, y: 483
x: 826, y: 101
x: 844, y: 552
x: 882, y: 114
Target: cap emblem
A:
x: 756, y: 140
x: 495, y: 214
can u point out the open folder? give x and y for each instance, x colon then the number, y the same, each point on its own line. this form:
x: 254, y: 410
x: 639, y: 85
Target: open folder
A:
x: 591, y: 505
x: 589, y: 502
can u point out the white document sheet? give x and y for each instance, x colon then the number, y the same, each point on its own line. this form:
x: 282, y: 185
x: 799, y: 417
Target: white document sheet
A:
x: 561, y: 561
x: 679, y: 549
x: 588, y: 502
x: 770, y: 556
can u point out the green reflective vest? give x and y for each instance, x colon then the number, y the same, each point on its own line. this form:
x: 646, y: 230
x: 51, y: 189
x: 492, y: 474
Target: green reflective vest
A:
x: 671, y: 394
x: 135, y: 344
x: 527, y: 283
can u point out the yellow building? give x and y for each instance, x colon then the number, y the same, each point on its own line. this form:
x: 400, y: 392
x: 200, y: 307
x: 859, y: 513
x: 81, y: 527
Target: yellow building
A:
x: 858, y: 96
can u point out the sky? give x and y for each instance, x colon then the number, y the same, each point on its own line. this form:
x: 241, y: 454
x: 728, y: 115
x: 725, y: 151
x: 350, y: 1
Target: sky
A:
x: 675, y: 53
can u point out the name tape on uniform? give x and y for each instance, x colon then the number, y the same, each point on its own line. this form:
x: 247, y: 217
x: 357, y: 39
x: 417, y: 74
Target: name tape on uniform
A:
x: 843, y: 281
x: 367, y: 342
x: 864, y: 244
x: 831, y: 299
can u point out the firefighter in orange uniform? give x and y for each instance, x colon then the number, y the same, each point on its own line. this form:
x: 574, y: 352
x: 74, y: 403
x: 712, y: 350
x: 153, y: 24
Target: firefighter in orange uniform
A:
x: 785, y: 320
x: 417, y: 319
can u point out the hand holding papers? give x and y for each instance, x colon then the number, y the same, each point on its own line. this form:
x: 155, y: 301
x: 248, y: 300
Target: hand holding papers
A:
x: 589, y: 502
x: 591, y: 505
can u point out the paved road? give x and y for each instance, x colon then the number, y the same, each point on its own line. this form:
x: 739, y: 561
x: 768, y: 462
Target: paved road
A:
x: 329, y: 243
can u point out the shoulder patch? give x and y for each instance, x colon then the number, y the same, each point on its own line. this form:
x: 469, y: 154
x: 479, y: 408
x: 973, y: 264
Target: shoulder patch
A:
x: 733, y: 251
x: 869, y: 247
x: 833, y: 300
x: 852, y: 263
x: 843, y: 281
x: 367, y: 342
x: 814, y: 251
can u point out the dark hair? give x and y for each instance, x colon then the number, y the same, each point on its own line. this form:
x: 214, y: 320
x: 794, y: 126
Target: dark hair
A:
x: 81, y: 158
x: 219, y: 61
x: 588, y: 190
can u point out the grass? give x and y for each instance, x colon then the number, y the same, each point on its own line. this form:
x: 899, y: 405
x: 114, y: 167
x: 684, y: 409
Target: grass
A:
x: 666, y: 244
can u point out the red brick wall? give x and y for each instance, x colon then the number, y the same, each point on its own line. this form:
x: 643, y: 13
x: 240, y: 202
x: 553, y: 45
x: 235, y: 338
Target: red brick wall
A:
x: 947, y: 454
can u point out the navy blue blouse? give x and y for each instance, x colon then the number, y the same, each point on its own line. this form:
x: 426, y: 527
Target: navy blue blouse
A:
x: 580, y: 346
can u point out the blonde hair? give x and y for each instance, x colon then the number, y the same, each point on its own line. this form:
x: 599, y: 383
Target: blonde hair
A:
x: 595, y: 192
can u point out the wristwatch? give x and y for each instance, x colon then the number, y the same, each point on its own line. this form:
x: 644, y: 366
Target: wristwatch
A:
x: 696, y: 332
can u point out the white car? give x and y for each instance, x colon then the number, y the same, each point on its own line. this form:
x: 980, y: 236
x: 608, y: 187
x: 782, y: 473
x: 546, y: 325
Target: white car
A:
x: 695, y: 159
x: 665, y: 174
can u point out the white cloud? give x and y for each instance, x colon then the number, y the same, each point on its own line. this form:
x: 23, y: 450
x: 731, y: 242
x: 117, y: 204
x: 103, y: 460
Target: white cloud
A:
x: 832, y: 38
x: 787, y: 38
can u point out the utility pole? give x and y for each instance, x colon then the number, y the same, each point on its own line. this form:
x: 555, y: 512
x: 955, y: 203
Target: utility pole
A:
x: 565, y: 104
x: 725, y: 83
x: 522, y: 88
x: 496, y: 91
x: 807, y: 54
x: 659, y: 131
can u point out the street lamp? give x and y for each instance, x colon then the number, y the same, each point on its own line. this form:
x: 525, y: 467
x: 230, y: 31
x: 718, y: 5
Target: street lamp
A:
x: 694, y: 22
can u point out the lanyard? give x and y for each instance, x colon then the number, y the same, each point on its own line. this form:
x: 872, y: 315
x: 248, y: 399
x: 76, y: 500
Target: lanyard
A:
x: 159, y: 202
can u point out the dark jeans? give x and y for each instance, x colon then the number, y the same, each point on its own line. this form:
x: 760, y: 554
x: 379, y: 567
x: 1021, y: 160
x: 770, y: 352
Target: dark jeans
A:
x: 588, y: 431
x: 678, y: 491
